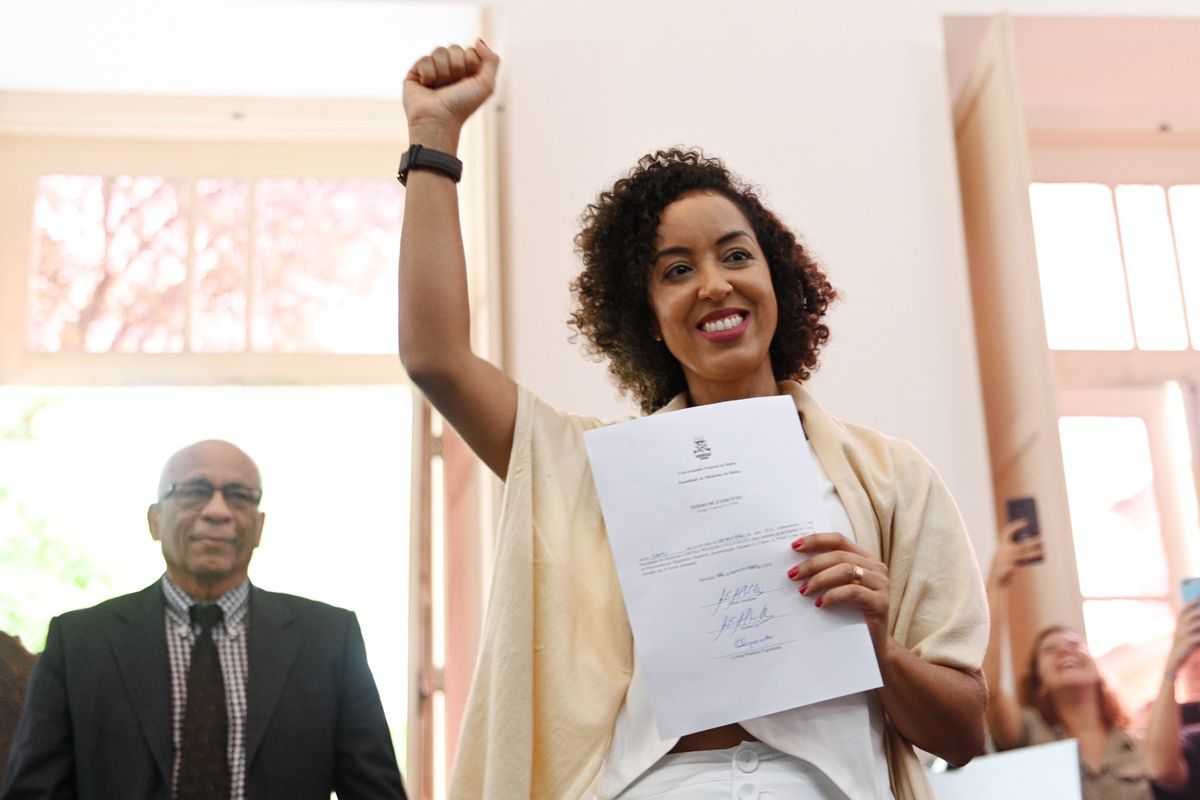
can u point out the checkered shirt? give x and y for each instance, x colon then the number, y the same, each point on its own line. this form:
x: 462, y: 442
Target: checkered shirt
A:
x: 230, y: 638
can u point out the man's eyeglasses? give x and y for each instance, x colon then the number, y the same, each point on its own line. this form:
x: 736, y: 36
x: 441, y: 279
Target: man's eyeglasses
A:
x: 192, y: 494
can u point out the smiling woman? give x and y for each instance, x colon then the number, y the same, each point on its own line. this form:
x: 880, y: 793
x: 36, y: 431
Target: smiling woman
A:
x: 695, y: 294
x: 620, y: 230
x: 712, y: 299
x: 1062, y: 694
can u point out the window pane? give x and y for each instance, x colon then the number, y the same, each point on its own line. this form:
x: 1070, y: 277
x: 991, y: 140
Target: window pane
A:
x: 220, y: 262
x: 73, y: 497
x: 1150, y: 268
x: 1130, y: 623
x: 1131, y: 640
x: 1114, y: 509
x: 325, y: 264
x: 1185, y: 218
x: 1079, y: 263
x: 108, y: 264
x: 1179, y: 437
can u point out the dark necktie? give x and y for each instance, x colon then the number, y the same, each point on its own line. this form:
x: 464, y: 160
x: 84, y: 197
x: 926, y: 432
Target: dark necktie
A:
x: 203, y: 764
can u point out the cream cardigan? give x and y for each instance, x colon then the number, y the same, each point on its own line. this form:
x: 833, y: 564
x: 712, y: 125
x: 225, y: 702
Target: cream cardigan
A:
x: 557, y: 652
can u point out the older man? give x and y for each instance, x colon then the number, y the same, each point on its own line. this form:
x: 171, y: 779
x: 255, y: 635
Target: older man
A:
x: 203, y: 685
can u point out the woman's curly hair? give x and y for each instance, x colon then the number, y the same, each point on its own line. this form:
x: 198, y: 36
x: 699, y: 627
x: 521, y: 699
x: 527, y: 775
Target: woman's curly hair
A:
x: 612, y: 292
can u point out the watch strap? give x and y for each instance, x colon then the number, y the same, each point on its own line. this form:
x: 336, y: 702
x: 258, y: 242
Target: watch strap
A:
x: 420, y: 157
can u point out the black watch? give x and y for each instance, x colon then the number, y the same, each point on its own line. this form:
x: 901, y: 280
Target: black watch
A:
x: 418, y: 157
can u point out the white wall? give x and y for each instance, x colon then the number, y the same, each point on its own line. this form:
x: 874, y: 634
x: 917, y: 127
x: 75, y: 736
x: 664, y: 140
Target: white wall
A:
x: 273, y: 48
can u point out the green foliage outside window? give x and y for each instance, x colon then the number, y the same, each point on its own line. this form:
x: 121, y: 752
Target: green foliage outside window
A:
x: 37, y: 567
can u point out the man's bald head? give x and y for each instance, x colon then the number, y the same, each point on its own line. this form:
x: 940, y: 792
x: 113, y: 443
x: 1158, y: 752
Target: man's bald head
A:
x: 207, y: 517
x: 200, y: 454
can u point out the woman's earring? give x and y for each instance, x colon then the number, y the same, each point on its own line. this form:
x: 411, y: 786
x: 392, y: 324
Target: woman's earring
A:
x: 658, y: 337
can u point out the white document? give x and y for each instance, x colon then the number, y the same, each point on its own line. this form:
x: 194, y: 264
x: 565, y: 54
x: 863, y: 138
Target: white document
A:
x: 1042, y: 772
x: 702, y: 506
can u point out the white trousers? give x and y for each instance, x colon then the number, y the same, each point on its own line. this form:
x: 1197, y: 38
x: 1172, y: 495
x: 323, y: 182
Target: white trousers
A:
x: 750, y: 771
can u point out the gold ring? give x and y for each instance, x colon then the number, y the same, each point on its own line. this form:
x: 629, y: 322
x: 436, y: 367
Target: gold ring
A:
x: 856, y: 575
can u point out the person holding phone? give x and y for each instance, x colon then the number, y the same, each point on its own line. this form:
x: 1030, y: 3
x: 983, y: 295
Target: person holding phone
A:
x: 695, y: 293
x: 1172, y: 749
x: 1062, y: 694
x: 1023, y: 510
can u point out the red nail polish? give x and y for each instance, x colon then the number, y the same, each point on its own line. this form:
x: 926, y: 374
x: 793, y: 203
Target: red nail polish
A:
x: 820, y: 601
x: 793, y: 572
x: 803, y: 588
x: 799, y: 543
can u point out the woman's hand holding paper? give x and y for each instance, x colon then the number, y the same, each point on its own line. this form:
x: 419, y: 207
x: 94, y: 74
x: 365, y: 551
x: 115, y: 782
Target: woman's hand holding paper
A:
x: 839, y: 572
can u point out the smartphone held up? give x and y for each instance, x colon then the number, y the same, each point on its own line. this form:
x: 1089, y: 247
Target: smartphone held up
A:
x: 1189, y: 589
x: 1024, y: 508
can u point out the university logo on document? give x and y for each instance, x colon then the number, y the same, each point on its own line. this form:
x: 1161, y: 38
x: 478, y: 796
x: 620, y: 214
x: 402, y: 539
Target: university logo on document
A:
x: 701, y: 450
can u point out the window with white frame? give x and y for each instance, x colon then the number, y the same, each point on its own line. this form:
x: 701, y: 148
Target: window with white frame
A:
x: 156, y: 289
x: 1119, y: 265
x: 213, y: 264
x: 1118, y: 250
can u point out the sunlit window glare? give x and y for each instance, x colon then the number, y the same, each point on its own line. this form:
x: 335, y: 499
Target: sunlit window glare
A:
x: 1114, y: 509
x: 221, y: 263
x: 284, y: 265
x: 1181, y: 439
x: 110, y: 264
x: 1119, y: 550
x: 1154, y: 291
x: 1104, y: 253
x: 1079, y: 265
x: 1120, y: 630
x: 1185, y: 219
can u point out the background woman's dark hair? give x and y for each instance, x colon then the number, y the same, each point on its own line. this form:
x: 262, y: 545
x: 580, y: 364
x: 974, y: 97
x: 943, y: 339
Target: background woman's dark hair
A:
x: 1030, y: 693
x: 616, y: 244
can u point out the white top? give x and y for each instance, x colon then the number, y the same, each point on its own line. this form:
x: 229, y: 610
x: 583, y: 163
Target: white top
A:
x: 556, y: 654
x: 842, y: 737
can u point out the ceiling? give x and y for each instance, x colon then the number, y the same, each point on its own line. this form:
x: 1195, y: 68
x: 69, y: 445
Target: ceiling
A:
x: 1123, y: 75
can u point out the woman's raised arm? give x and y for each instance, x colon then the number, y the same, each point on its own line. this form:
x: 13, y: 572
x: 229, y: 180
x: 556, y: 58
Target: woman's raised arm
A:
x: 1161, y: 751
x: 1003, y: 712
x: 441, y: 91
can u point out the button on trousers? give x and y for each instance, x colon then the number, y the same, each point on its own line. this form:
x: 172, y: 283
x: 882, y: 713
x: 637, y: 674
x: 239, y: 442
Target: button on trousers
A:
x: 750, y: 771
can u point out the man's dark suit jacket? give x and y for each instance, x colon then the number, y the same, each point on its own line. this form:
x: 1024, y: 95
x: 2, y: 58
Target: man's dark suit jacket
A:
x: 97, y: 718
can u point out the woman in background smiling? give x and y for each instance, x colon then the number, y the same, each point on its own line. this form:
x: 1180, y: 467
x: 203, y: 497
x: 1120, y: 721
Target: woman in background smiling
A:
x: 1062, y: 694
